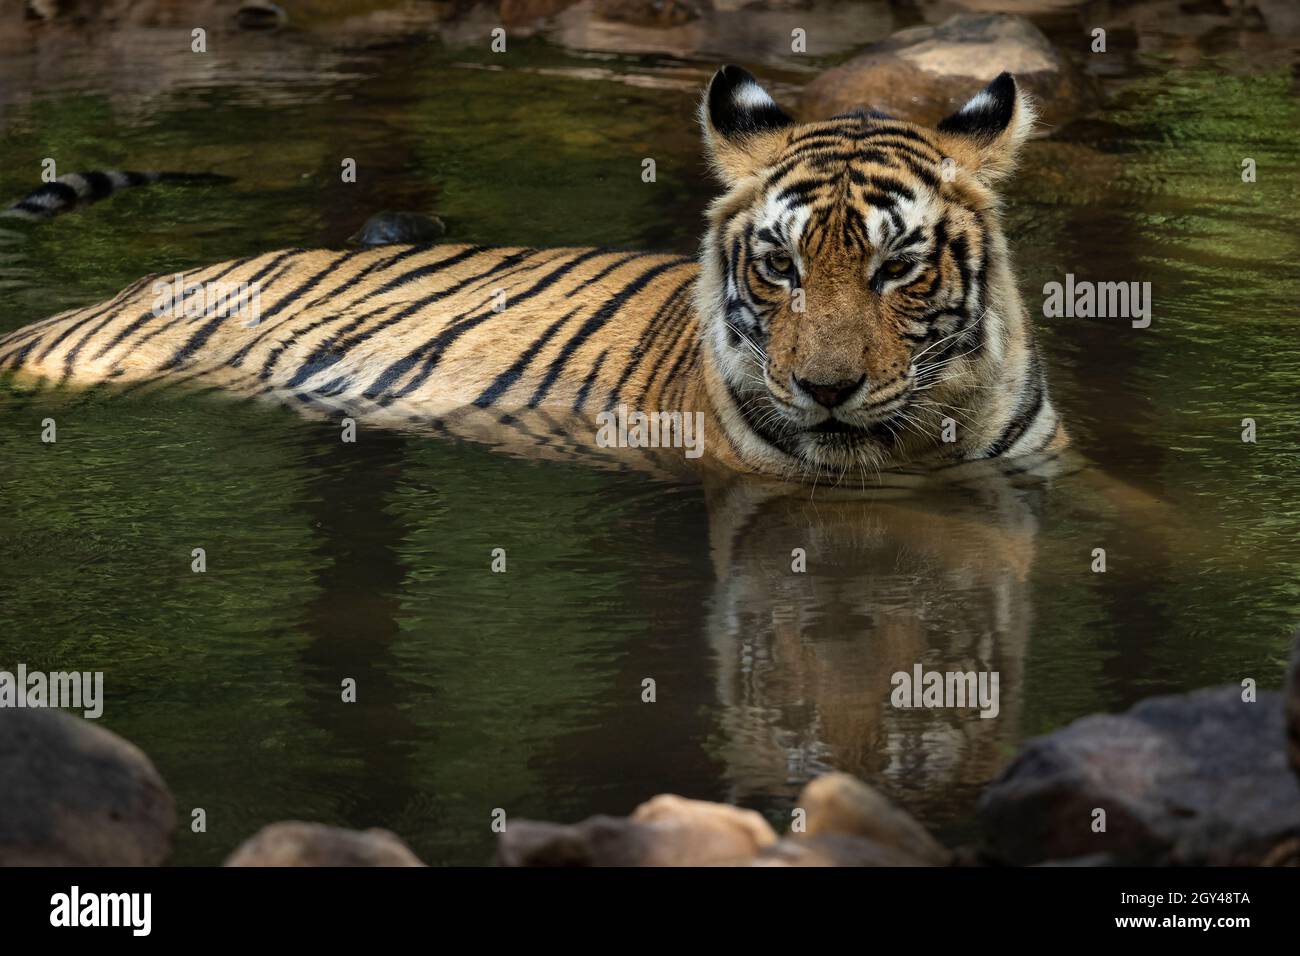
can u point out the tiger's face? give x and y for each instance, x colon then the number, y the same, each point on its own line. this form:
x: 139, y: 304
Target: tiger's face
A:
x: 855, y: 293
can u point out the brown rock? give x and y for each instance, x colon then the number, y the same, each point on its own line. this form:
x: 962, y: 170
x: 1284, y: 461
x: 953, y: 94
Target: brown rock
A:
x: 835, y: 849
x: 313, y: 844
x: 705, y: 832
x: 925, y: 73
x: 74, y: 794
x: 597, y: 841
x: 648, y: 13
x: 665, y: 831
x: 517, y: 12
x: 840, y: 804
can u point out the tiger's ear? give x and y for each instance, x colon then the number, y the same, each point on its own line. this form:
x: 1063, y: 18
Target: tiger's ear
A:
x: 744, y: 129
x: 985, y: 135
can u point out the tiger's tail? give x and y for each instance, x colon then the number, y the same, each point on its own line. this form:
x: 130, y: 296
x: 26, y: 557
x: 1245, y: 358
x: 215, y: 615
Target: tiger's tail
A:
x: 74, y: 189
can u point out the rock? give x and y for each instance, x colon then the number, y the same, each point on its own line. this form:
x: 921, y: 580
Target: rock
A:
x: 74, y: 794
x: 925, y: 73
x: 597, y: 841
x: 313, y: 844
x: 665, y: 831
x: 260, y: 15
x: 840, y: 804
x: 518, y: 12
x: 835, y: 849
x: 1286, y: 853
x: 648, y: 13
x: 41, y: 9
x: 1281, y: 17
x: 704, y: 831
x: 1194, y: 779
x: 1293, y: 708
x: 392, y: 228
x: 739, y: 31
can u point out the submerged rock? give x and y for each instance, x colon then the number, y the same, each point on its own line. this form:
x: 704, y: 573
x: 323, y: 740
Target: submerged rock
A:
x: 74, y: 794
x: 840, y: 804
x: 260, y: 15
x: 665, y: 831
x: 925, y: 73
x: 313, y: 844
x: 396, y: 228
x: 1195, y: 779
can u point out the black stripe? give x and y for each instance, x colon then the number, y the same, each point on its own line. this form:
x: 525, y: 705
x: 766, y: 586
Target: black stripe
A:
x: 381, y: 265
x: 1024, y: 414
x: 590, y: 380
x: 511, y: 375
x: 146, y: 316
x: 595, y: 322
x: 84, y: 320
x: 335, y: 347
x: 433, y: 350
x: 195, y: 341
x: 663, y: 318
x: 303, y: 288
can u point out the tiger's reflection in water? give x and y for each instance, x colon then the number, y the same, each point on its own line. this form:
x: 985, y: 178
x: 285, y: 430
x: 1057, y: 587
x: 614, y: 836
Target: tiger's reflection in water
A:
x: 804, y: 659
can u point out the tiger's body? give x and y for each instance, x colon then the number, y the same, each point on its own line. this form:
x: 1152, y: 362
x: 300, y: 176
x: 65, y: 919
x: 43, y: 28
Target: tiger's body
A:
x: 804, y: 362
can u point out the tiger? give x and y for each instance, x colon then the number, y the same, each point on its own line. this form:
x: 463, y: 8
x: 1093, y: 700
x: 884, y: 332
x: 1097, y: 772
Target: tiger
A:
x: 852, y: 310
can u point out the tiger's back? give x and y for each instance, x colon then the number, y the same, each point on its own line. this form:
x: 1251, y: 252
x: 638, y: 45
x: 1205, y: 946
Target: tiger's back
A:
x: 433, y: 328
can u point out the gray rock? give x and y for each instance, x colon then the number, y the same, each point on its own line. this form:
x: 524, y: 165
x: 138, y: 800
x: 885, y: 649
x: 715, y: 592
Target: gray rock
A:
x: 840, y: 804
x: 665, y: 831
x: 1293, y: 708
x: 1191, y: 779
x: 925, y: 73
x: 74, y: 794
x: 395, y: 228
x: 291, y: 843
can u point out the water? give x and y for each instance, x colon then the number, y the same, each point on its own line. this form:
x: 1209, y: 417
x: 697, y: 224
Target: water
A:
x: 523, y: 691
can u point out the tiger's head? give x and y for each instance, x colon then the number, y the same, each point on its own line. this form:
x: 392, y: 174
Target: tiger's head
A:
x: 856, y: 300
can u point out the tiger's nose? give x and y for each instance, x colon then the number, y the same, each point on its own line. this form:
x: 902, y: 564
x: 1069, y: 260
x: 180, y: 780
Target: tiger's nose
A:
x: 829, y: 394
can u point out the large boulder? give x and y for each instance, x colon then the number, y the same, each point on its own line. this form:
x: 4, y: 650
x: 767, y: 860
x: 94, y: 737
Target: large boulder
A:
x: 665, y: 831
x: 1200, y: 778
x: 74, y: 794
x: 925, y: 73
x: 838, y: 803
x: 291, y: 843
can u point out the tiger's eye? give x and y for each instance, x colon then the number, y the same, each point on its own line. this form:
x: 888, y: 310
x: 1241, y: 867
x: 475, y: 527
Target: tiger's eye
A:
x: 895, y: 268
x: 779, y: 262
